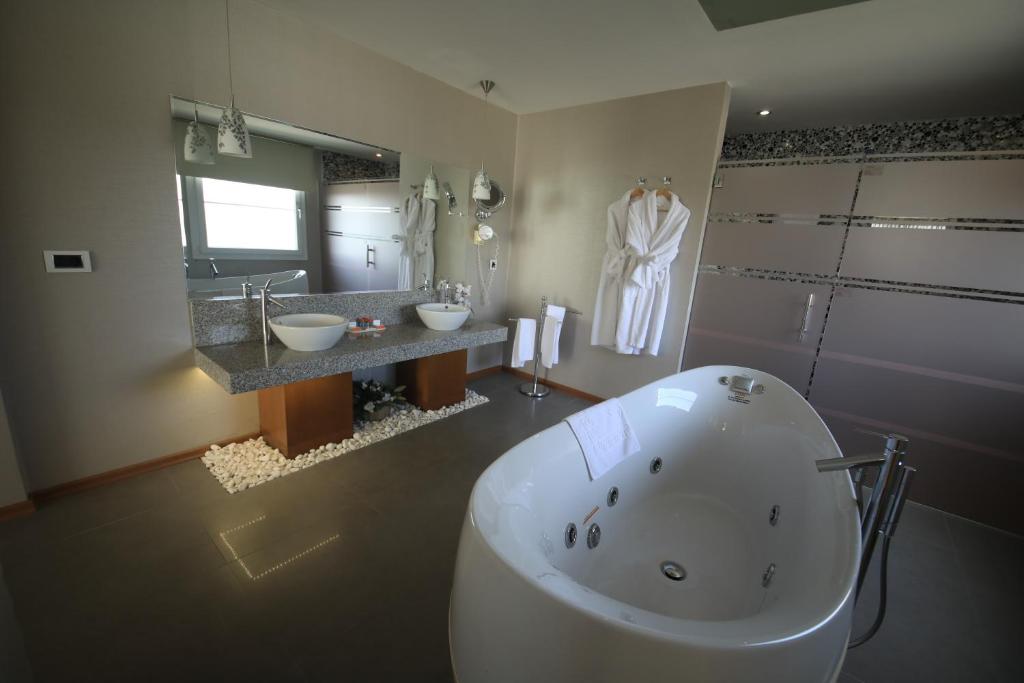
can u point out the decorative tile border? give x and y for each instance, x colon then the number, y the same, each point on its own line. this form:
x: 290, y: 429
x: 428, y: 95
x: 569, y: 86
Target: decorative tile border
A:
x: 873, y: 222
x: 972, y: 134
x: 342, y: 168
x: 231, y: 320
x: 948, y: 291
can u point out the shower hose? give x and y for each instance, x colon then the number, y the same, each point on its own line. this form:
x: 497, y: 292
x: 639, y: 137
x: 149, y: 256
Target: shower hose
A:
x: 883, y: 576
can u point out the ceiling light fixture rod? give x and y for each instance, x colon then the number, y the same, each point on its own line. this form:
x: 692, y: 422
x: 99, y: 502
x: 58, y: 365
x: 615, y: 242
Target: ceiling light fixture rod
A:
x: 227, y: 21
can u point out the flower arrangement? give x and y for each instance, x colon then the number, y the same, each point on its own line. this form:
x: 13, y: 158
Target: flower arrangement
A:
x: 372, y: 400
x: 462, y: 293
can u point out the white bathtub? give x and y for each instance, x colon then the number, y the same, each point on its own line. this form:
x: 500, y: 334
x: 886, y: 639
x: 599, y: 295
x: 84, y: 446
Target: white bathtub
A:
x: 525, y: 607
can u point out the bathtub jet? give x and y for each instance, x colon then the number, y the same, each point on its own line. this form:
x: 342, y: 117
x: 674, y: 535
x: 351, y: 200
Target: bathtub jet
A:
x: 734, y: 560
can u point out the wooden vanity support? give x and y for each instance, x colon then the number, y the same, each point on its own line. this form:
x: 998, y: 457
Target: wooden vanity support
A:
x: 434, y: 382
x: 298, y: 417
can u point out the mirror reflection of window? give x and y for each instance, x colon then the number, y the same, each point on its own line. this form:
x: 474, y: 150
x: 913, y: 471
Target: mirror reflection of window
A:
x: 232, y: 219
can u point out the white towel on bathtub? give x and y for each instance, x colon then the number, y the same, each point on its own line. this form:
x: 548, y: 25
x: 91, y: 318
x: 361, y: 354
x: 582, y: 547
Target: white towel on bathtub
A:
x: 605, y: 436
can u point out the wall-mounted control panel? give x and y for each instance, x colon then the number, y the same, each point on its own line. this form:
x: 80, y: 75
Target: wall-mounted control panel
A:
x: 65, y: 261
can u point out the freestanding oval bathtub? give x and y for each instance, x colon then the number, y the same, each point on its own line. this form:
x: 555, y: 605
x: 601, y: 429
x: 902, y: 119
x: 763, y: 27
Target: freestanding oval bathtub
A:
x: 768, y: 545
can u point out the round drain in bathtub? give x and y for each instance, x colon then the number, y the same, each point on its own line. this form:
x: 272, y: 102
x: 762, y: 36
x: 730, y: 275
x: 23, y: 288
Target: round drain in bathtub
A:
x: 673, y: 571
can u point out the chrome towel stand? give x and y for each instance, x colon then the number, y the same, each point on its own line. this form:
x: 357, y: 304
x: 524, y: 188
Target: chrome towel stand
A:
x: 534, y: 389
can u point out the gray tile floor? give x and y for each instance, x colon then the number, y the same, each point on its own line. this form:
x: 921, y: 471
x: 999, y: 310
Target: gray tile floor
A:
x: 150, y: 578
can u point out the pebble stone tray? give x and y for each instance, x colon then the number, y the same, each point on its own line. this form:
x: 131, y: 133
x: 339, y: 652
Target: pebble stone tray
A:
x: 245, y: 464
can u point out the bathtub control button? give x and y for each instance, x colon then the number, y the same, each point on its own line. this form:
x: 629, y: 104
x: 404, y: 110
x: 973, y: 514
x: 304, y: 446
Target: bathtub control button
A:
x: 773, y: 515
x: 656, y: 466
x: 593, y: 536
x: 741, y: 384
x: 570, y: 535
x: 613, y: 496
x: 673, y: 570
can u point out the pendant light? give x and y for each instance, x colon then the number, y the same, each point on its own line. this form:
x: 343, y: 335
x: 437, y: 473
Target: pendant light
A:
x: 232, y: 133
x: 198, y: 148
x: 482, y: 182
x: 430, y: 188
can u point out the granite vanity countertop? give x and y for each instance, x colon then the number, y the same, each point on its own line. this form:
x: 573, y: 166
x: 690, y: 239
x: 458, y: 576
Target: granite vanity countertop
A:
x: 248, y: 366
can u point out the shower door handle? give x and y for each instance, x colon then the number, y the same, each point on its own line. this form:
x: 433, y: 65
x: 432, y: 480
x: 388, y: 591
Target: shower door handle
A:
x: 805, y: 323
x: 371, y: 255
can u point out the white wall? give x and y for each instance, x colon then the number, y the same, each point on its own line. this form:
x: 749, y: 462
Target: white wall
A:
x: 97, y: 368
x: 570, y: 165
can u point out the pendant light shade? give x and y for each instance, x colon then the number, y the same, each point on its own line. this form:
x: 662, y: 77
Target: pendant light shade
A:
x: 430, y: 188
x: 233, y: 135
x: 482, y: 181
x: 198, y: 146
x: 482, y: 185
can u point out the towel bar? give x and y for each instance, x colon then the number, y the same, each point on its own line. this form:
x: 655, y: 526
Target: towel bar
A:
x: 534, y: 389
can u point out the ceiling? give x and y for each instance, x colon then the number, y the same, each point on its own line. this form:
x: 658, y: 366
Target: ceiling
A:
x: 880, y: 60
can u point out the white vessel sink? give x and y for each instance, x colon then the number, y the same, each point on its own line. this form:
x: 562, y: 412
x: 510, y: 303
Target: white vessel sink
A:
x: 309, y: 331
x: 443, y: 316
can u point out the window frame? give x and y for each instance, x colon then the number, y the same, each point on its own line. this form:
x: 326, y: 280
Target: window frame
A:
x: 195, y: 224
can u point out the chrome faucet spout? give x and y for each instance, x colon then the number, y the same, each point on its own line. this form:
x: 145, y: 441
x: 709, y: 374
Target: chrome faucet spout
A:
x: 444, y: 291
x: 854, y: 462
x: 265, y: 300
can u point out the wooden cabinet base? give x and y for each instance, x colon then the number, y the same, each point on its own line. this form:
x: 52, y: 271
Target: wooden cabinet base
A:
x: 434, y: 382
x: 298, y: 417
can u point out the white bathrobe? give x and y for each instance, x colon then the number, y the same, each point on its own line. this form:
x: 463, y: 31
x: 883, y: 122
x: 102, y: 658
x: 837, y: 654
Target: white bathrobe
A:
x: 653, y: 243
x: 409, y: 219
x: 609, y: 288
x: 419, y: 220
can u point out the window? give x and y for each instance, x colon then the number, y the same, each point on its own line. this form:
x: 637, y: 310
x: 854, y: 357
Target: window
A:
x: 233, y: 220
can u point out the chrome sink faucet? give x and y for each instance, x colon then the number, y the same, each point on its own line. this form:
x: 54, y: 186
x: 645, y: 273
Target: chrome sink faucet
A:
x: 426, y: 286
x: 265, y: 300
x: 444, y: 292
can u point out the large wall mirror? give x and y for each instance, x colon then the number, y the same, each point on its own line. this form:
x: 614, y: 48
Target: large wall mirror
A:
x: 312, y: 211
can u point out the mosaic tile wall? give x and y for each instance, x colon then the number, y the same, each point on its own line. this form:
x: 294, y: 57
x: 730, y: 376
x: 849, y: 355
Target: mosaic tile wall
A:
x: 988, y: 133
x: 339, y: 167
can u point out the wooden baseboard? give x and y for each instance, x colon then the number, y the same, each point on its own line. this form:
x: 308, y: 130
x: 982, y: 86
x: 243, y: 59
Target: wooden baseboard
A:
x: 44, y: 495
x: 25, y: 507
x: 477, y: 374
x: 554, y: 385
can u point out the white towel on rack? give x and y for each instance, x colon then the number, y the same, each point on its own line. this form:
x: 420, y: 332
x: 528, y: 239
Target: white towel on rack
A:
x: 604, y: 435
x: 522, y: 346
x: 549, y: 337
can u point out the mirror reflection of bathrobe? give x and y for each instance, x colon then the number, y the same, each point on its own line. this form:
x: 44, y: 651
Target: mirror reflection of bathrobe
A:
x: 643, y: 239
x: 419, y: 220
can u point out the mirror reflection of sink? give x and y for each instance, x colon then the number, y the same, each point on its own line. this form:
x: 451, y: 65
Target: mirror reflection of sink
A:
x: 443, y: 316
x: 309, y: 331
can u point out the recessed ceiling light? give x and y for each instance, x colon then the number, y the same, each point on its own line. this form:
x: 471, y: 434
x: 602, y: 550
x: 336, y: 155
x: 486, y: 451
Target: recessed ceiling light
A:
x: 764, y: 112
x: 379, y: 155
